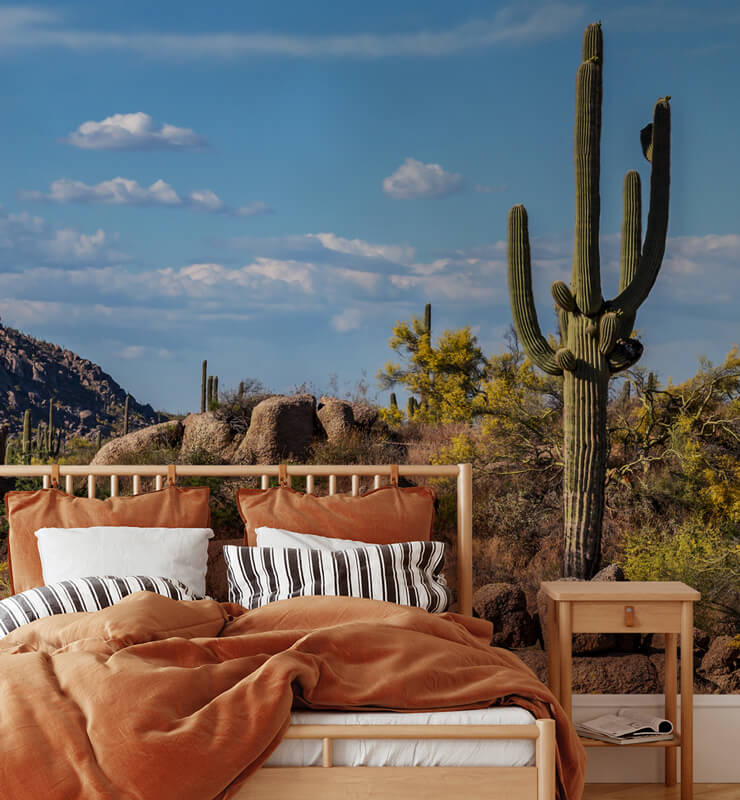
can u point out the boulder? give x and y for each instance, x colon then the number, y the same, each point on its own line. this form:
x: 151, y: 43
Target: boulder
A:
x: 701, y: 685
x: 130, y: 448
x: 721, y: 664
x: 206, y: 439
x: 505, y: 605
x: 536, y: 660
x: 611, y: 573
x: 623, y: 674
x: 365, y: 415
x: 217, y: 585
x: 336, y: 417
x: 280, y: 427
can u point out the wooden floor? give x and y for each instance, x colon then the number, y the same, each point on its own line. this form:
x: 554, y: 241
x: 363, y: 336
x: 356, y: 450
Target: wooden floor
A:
x: 655, y: 791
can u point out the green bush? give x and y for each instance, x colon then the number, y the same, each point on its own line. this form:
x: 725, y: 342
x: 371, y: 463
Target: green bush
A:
x: 706, y: 558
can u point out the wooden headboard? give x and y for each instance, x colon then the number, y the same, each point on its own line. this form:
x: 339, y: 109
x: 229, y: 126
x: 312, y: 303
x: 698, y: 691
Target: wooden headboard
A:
x: 64, y: 476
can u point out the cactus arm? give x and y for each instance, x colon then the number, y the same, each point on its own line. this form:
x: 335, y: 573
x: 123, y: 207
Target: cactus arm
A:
x: 631, y: 242
x: 608, y: 332
x: 520, y: 290
x: 562, y: 295
x: 565, y: 358
x: 586, y: 278
x: 658, y: 151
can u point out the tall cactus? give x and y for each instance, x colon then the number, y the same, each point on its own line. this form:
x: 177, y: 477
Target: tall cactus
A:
x: 27, y: 436
x: 50, y: 427
x: 209, y: 392
x: 4, y: 442
x: 594, y: 334
x: 203, y: 382
x: 125, y: 414
x: 394, y: 401
x: 214, y: 398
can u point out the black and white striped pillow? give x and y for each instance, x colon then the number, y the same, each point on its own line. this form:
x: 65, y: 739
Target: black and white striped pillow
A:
x: 407, y: 573
x: 82, y: 594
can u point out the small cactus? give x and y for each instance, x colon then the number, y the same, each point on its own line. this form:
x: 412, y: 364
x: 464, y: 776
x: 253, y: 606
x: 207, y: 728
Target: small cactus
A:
x: 214, y: 398
x: 203, y: 382
x: 209, y: 392
x: 98, y: 440
x: 394, y: 401
x: 27, y: 436
x: 411, y: 407
x: 4, y: 442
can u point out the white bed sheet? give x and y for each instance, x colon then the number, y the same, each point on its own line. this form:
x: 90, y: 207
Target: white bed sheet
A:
x: 410, y: 753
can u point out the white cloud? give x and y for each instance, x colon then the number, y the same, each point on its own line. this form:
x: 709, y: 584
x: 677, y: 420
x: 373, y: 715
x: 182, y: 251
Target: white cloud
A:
x: 395, y: 253
x: 416, y: 179
x: 128, y: 192
x: 28, y: 28
x: 132, y: 351
x: 117, y: 191
x: 27, y: 240
x: 348, y: 320
x: 133, y: 132
x: 206, y: 199
x: 254, y: 209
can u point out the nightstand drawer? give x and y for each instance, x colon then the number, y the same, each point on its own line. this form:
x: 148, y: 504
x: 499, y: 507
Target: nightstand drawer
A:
x: 625, y: 617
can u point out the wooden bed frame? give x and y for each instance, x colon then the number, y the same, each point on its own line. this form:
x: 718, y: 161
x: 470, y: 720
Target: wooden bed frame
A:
x: 357, y: 783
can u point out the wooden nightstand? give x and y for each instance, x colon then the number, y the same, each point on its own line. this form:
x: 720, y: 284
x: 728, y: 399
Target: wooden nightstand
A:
x: 629, y: 607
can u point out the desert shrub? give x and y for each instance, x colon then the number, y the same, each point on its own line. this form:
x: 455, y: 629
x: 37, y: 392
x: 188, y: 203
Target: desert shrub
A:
x: 4, y: 580
x: 356, y: 447
x: 706, y: 558
x: 235, y: 407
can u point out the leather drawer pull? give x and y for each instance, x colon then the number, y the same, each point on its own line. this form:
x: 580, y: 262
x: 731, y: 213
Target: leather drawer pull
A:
x: 629, y: 616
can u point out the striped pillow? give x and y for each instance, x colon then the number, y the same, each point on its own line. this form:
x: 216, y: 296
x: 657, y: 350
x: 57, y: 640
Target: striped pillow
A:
x: 81, y: 594
x: 407, y: 573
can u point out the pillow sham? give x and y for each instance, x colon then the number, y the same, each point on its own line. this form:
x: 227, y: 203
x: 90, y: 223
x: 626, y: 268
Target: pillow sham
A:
x: 172, y: 507
x: 276, y: 537
x: 178, y: 553
x: 407, y: 573
x: 81, y: 594
x: 383, y: 516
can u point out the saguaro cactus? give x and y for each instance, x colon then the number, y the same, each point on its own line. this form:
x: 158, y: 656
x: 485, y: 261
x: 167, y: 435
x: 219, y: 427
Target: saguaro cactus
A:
x: 27, y: 436
x: 125, y: 415
x: 594, y: 334
x: 203, y: 381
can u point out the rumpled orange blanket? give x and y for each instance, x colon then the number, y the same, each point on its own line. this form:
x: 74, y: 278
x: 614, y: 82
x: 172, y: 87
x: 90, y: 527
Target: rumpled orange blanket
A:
x: 158, y: 699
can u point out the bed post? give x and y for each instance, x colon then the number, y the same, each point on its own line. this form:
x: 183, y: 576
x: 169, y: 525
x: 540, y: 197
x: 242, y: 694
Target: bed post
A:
x: 545, y: 759
x: 465, y: 539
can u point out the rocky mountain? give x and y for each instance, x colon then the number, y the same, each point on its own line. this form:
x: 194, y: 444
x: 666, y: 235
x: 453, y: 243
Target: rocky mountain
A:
x: 86, y: 399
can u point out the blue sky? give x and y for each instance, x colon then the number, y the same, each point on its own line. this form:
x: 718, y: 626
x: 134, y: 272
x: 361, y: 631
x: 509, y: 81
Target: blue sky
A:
x: 271, y: 186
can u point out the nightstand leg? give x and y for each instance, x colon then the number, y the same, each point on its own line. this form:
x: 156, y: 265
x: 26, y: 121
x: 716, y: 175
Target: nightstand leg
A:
x: 553, y: 648
x: 565, y: 630
x: 670, y: 687
x: 687, y: 701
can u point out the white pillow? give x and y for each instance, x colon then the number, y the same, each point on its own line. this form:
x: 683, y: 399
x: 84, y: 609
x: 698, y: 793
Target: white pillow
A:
x: 179, y: 553
x: 277, y: 537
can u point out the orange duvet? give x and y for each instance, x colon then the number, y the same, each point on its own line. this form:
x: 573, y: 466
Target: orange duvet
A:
x: 158, y: 699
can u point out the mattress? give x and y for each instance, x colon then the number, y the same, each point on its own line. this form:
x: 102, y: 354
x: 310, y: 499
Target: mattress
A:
x: 410, y: 752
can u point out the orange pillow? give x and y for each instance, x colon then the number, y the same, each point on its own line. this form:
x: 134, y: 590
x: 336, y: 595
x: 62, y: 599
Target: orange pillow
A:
x: 173, y: 507
x: 383, y: 516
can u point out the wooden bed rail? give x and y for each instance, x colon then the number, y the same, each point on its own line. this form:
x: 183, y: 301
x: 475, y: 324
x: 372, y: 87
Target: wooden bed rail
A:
x: 64, y: 475
x: 457, y: 783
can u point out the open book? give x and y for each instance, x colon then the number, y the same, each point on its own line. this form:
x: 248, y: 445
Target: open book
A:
x: 627, y: 726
